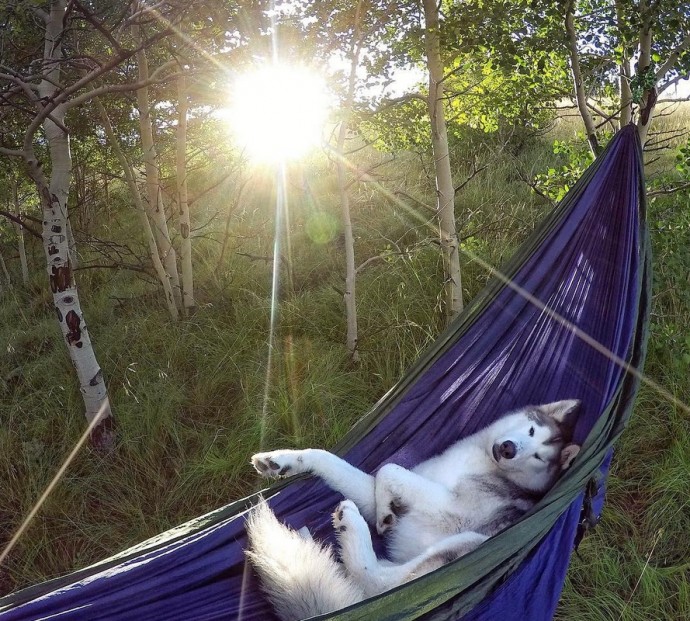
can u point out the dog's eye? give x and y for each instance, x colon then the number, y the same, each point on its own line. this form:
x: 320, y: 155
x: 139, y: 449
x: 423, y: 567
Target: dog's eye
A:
x: 537, y: 456
x: 531, y: 432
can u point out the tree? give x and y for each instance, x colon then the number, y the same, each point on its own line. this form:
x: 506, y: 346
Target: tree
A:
x: 656, y: 33
x: 130, y: 178
x: 349, y: 295
x: 389, y: 35
x: 188, y: 303
x: 621, y: 55
x: 36, y: 97
x: 155, y: 205
x: 445, y: 190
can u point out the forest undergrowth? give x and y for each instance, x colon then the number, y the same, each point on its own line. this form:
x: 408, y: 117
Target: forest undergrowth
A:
x: 192, y: 401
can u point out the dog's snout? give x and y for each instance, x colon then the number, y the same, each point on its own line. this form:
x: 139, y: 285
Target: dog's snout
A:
x: 507, y: 450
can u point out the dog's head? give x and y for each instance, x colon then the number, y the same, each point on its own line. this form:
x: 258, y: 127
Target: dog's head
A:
x: 531, y: 446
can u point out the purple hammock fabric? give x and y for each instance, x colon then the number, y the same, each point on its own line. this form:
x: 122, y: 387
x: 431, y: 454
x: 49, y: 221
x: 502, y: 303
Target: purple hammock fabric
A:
x: 587, y: 265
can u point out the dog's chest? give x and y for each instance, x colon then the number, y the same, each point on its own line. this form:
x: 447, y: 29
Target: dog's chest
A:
x: 454, y: 466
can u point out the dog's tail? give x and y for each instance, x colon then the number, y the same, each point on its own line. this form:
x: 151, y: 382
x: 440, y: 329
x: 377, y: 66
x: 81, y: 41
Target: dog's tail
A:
x: 300, y: 577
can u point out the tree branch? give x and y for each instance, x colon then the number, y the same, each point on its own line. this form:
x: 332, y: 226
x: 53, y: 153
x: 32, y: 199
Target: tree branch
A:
x: 671, y: 190
x: 89, y: 17
x: 673, y: 58
x: 473, y: 174
x: 20, y: 220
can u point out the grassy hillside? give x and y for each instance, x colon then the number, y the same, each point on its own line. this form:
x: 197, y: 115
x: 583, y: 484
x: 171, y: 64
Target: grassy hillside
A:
x: 193, y: 401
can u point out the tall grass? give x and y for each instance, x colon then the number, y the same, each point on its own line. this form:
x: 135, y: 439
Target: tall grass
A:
x: 193, y: 404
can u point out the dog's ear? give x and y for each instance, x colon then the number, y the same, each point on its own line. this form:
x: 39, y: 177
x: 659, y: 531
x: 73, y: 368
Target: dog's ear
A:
x: 568, y: 453
x: 560, y: 410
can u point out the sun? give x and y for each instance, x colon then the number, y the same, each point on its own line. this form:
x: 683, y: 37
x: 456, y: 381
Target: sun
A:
x: 278, y: 111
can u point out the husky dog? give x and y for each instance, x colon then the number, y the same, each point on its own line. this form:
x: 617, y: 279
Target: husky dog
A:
x: 440, y: 510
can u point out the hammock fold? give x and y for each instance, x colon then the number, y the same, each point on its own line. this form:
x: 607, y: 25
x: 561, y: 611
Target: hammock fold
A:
x: 566, y: 318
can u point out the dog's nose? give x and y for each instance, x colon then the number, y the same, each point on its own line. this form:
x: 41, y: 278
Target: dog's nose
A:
x: 507, y: 449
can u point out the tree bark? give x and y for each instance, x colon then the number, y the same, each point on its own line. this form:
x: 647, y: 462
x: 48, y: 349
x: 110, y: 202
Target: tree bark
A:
x: 53, y: 198
x: 156, y: 209
x: 20, y: 234
x: 624, y: 91
x: 445, y: 190
x: 643, y: 65
x: 141, y: 209
x: 578, y: 81
x: 350, y: 294
x: 188, y: 303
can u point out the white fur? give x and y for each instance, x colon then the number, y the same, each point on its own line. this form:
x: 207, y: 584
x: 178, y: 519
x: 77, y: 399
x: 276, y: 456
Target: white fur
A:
x: 440, y: 510
x: 303, y: 576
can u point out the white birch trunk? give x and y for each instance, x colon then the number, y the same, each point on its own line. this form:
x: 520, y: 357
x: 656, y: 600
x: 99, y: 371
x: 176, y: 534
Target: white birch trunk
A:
x: 349, y: 296
x: 141, y: 210
x: 578, y: 81
x: 21, y: 246
x: 156, y: 209
x: 644, y: 64
x: 53, y: 197
x: 188, y: 303
x: 624, y: 91
x: 444, y: 179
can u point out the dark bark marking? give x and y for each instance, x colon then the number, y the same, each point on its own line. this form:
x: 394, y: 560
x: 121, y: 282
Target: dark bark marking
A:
x: 59, y: 314
x: 96, y: 379
x: 74, y: 328
x: 56, y: 229
x: 103, y: 434
x: 60, y: 278
x: 184, y: 229
x: 648, y: 106
x: 52, y: 250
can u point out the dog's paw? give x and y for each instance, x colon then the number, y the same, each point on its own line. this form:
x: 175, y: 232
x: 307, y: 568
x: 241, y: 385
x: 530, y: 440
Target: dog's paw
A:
x: 278, y: 463
x: 387, y: 517
x: 346, y: 516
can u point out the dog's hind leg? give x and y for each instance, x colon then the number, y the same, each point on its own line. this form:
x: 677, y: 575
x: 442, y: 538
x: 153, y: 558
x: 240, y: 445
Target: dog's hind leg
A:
x: 357, y: 552
x: 399, y: 491
x: 375, y: 576
x: 436, y: 556
x: 338, y: 474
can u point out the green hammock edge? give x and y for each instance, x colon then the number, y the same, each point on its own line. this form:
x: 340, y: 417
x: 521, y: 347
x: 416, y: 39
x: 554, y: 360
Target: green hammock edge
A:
x: 507, y: 548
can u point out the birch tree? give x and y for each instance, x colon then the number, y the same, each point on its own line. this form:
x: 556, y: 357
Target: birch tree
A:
x: 130, y: 179
x: 13, y: 213
x: 643, y: 47
x: 445, y: 191
x: 349, y: 294
x: 53, y: 193
x: 188, y: 303
x: 622, y: 56
x: 19, y: 229
x: 40, y: 99
x: 155, y: 205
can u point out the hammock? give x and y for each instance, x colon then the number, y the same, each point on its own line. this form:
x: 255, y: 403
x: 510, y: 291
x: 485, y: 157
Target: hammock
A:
x: 581, y: 279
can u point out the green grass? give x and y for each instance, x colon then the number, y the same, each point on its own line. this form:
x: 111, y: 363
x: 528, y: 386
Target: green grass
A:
x: 192, y: 401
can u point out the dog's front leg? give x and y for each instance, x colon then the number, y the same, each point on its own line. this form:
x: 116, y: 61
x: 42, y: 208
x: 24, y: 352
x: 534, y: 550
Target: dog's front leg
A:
x: 399, y: 491
x: 338, y: 474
